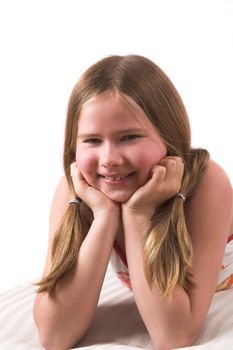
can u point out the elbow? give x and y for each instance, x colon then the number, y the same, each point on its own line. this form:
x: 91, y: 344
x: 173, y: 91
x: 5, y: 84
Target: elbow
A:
x: 189, y: 336
x: 43, y: 329
x: 174, y: 340
x: 52, y: 344
x: 182, y: 342
x: 170, y: 344
x: 55, y: 332
x: 48, y: 343
x: 53, y: 337
x: 52, y: 341
x: 50, y: 337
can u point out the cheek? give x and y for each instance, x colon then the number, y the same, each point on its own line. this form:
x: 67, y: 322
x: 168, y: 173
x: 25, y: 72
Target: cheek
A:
x: 84, y: 161
x: 148, y: 159
x: 150, y: 156
x: 87, y: 164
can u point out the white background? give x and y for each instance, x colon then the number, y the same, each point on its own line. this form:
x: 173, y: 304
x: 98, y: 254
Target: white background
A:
x: 44, y: 47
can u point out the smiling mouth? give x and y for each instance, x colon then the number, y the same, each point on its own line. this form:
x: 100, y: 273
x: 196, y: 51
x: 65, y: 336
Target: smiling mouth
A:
x: 116, y: 178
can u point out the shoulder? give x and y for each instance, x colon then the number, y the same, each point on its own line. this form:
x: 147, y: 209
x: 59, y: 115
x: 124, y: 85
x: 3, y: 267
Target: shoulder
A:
x: 58, y: 209
x: 213, y: 174
x: 62, y: 190
x: 59, y: 203
x: 212, y: 198
x: 62, y: 193
x: 214, y: 184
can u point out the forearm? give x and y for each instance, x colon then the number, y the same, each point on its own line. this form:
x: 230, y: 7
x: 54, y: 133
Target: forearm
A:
x: 169, y: 322
x: 64, y: 316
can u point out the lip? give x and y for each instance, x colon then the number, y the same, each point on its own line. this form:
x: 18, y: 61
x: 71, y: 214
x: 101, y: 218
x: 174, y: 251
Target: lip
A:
x: 114, y: 179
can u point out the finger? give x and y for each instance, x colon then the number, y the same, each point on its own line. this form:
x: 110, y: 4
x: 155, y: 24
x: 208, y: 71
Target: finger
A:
x: 75, y: 172
x: 79, y: 183
x: 176, y: 158
x: 158, y: 173
x: 173, y: 165
x: 174, y: 174
x: 179, y: 168
x: 172, y: 159
x: 157, y: 178
x: 73, y: 169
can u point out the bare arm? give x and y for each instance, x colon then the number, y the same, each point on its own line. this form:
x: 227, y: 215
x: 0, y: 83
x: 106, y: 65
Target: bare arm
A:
x: 176, y: 323
x: 64, y: 316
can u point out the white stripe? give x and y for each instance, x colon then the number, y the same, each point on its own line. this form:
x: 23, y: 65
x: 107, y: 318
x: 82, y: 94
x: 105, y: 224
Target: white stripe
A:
x: 117, y: 324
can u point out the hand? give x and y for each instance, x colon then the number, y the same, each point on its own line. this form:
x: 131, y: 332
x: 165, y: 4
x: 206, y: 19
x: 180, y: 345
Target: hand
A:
x: 93, y: 198
x: 164, y: 183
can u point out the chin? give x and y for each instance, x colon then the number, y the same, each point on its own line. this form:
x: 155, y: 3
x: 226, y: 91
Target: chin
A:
x: 118, y: 197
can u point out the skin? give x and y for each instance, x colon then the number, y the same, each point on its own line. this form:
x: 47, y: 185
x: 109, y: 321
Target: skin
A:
x: 102, y: 157
x: 128, y: 150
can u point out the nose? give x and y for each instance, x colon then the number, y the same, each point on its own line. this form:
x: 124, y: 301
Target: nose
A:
x: 111, y: 156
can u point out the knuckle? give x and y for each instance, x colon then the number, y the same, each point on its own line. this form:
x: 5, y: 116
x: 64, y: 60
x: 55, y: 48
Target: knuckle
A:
x: 172, y: 163
x: 175, y: 186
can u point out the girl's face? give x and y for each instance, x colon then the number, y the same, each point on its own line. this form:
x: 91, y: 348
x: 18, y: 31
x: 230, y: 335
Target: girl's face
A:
x: 116, y: 149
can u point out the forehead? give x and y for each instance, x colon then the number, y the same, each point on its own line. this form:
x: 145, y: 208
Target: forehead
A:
x: 112, y: 110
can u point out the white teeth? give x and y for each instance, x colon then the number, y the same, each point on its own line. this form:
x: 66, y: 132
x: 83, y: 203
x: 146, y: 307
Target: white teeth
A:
x: 115, y: 178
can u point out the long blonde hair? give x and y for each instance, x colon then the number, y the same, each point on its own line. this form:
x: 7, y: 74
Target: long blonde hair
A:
x: 168, y: 247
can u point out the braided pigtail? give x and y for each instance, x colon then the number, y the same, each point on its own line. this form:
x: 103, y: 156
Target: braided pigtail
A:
x: 168, y: 247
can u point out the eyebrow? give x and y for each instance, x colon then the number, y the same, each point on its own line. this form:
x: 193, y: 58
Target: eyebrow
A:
x: 124, y: 131
x: 84, y: 136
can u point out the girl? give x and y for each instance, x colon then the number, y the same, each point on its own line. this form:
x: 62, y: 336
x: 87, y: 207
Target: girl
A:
x: 133, y: 182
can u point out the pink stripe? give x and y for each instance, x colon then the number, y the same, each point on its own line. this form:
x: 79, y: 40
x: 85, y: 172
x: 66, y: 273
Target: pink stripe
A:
x: 230, y: 238
x: 119, y: 252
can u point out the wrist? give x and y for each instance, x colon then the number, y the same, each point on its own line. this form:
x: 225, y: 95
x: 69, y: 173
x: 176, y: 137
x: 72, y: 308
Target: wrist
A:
x: 107, y: 221
x: 112, y: 214
x: 135, y: 221
x: 137, y: 215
